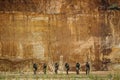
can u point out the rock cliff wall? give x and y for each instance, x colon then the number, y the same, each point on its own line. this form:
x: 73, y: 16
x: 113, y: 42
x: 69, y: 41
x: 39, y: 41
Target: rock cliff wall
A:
x: 43, y: 30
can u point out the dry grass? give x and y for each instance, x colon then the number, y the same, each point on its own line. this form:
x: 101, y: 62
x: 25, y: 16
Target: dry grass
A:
x: 59, y: 77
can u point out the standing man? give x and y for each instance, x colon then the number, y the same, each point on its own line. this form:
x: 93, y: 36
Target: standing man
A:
x: 77, y: 68
x: 87, y: 68
x: 44, y: 68
x: 56, y: 68
x: 67, y: 67
x: 35, y: 67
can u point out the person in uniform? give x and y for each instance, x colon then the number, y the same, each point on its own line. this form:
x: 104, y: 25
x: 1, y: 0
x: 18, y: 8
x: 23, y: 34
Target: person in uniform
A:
x: 35, y: 68
x: 56, y: 68
x: 44, y: 68
x: 67, y: 67
x: 87, y: 68
x: 77, y: 68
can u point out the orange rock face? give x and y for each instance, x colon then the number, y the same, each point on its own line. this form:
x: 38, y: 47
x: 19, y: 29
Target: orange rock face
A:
x: 43, y: 30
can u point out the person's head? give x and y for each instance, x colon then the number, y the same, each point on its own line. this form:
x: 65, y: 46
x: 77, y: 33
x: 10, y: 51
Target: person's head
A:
x: 66, y: 63
x: 77, y: 63
x: 56, y: 63
x: 44, y: 63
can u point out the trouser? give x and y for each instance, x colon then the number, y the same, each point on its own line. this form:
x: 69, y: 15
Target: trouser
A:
x: 67, y: 71
x: 44, y: 71
x: 56, y: 71
x: 77, y: 71
x: 87, y: 71
x: 35, y: 71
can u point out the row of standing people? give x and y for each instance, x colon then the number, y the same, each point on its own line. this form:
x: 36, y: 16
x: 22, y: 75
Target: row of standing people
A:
x: 67, y: 68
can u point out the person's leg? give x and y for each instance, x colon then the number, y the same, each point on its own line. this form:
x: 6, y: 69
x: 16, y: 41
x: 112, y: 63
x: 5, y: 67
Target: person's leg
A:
x: 67, y: 71
x: 34, y: 71
x: 86, y: 71
x: 78, y: 71
x: 45, y: 71
x: 56, y: 71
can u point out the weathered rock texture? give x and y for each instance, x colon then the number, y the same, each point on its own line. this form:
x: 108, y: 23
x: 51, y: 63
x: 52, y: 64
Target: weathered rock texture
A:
x: 43, y: 30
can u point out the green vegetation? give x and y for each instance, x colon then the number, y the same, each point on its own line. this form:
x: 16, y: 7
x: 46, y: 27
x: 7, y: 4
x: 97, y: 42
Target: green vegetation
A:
x: 59, y: 77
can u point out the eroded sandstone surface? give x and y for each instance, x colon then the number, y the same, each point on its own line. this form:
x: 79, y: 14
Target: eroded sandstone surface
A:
x: 43, y: 30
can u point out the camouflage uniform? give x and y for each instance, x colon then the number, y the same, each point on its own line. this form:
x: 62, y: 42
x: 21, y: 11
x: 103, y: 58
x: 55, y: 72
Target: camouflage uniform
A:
x: 87, y: 68
x: 77, y: 68
x: 35, y: 67
x: 56, y: 67
x: 67, y: 67
x: 44, y: 68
